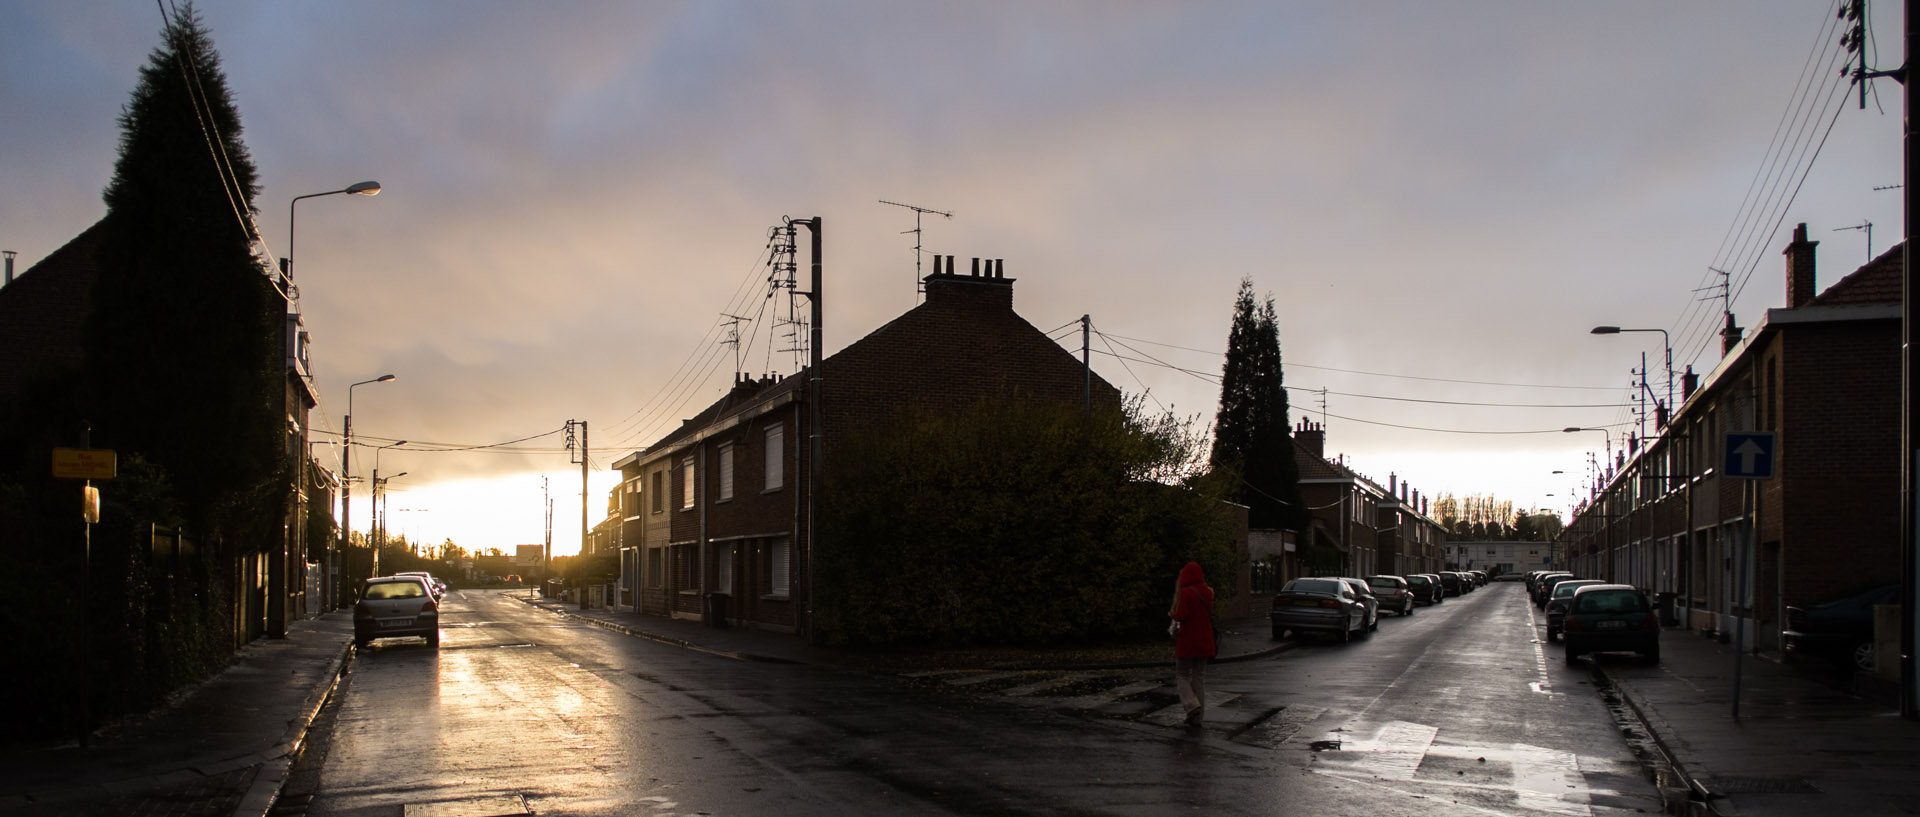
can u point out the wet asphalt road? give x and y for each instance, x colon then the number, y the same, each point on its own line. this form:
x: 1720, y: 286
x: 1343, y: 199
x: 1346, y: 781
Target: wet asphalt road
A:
x: 1459, y: 709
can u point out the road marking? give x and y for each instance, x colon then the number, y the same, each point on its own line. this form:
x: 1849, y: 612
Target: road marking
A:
x: 1395, y: 751
x: 1543, y: 686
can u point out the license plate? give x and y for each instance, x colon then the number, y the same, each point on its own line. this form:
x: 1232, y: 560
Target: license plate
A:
x: 1610, y: 625
x: 396, y: 622
x: 1305, y: 603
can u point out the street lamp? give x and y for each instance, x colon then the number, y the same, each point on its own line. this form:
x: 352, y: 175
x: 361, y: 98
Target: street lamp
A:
x: 379, y: 533
x: 356, y: 189
x: 380, y: 507
x: 1665, y: 341
x: 346, y: 482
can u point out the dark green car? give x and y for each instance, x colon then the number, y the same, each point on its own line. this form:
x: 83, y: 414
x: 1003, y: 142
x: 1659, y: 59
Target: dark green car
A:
x: 1610, y: 618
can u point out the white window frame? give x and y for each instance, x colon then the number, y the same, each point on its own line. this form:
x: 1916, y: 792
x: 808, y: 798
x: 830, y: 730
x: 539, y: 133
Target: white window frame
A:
x: 775, y: 459
x: 687, y: 476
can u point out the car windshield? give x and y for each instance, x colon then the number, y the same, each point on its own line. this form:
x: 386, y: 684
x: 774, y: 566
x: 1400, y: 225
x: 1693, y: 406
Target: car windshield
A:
x: 1329, y: 586
x: 1386, y: 582
x: 1417, y: 580
x: 1608, y: 601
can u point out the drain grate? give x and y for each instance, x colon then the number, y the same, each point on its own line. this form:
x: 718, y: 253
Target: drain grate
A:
x: 1758, y: 785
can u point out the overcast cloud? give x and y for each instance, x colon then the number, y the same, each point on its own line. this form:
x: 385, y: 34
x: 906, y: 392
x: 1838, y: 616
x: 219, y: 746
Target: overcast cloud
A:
x: 575, y: 192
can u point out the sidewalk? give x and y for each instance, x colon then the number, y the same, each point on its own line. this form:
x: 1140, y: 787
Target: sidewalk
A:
x: 1799, y: 747
x: 223, y: 747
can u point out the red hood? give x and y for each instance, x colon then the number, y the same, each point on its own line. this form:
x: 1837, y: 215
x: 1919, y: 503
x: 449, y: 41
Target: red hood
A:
x: 1192, y: 575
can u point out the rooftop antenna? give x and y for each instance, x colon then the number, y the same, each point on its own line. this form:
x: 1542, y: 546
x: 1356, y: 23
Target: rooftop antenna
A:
x: 733, y: 339
x: 1863, y: 225
x: 919, y: 285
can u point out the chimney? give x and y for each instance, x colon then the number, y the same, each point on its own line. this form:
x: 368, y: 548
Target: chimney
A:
x: 1393, y: 484
x: 1800, y: 285
x: 986, y: 287
x: 1313, y: 438
x: 1688, y: 383
x: 10, y: 255
x: 1729, y: 337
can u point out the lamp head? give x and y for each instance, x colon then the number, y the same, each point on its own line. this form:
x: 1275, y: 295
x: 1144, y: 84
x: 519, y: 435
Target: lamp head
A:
x: 385, y: 378
x: 1572, y: 429
x: 364, y: 189
x: 1606, y: 330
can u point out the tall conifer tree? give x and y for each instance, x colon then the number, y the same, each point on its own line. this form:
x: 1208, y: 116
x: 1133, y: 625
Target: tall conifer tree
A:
x: 1253, y: 432
x: 182, y: 349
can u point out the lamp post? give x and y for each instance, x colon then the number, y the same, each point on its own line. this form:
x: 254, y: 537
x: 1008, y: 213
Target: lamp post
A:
x: 380, y: 507
x: 378, y: 530
x: 346, y: 486
x: 356, y: 189
x: 1665, y: 341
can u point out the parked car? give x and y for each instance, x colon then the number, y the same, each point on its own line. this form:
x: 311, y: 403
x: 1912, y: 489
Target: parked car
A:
x: 1451, y: 581
x: 1840, y: 627
x: 1439, y: 587
x: 396, y: 607
x: 1318, y: 606
x: 1479, y: 577
x: 1365, y: 593
x: 513, y: 578
x: 1393, y: 592
x: 1544, y: 587
x: 438, y: 587
x: 1610, y: 618
x: 1424, y: 589
x: 1557, y: 603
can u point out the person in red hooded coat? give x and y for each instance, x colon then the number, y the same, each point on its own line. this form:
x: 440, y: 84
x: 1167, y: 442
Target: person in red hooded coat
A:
x: 1193, y: 643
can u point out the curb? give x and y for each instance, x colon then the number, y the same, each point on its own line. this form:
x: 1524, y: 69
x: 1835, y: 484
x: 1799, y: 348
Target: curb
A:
x: 1700, y: 802
x: 259, y: 799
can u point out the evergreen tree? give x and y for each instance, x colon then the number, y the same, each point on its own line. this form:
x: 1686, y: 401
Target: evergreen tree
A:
x: 183, y: 356
x: 1253, y: 434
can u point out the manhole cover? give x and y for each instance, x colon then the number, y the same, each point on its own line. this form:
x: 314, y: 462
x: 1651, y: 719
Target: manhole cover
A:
x: 1759, y: 785
x: 484, y: 807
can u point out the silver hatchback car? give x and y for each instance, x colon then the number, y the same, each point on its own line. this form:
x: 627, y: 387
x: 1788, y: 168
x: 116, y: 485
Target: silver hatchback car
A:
x: 396, y: 607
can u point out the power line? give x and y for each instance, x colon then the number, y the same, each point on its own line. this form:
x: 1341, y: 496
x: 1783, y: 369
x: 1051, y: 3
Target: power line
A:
x: 1378, y: 374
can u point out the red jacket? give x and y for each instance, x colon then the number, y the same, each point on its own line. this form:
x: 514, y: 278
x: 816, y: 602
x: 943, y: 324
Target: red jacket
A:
x: 1193, y: 608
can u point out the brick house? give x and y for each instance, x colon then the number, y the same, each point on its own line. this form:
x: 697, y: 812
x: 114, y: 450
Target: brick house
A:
x: 43, y: 316
x: 1360, y: 528
x: 1822, y: 374
x: 722, y: 501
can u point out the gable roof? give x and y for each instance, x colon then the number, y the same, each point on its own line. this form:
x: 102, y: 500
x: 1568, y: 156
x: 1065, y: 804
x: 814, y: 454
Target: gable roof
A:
x: 43, y: 314
x: 1878, y: 282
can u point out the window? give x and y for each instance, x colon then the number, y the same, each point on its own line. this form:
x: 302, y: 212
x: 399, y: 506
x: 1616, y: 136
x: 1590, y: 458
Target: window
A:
x: 776, y: 457
x: 725, y: 488
x: 656, y: 566
x: 778, y: 567
x: 659, y: 495
x: 686, y: 484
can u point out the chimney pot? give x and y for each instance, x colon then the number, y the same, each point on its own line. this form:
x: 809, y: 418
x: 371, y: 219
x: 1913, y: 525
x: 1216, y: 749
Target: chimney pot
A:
x: 976, y: 266
x: 1801, y: 288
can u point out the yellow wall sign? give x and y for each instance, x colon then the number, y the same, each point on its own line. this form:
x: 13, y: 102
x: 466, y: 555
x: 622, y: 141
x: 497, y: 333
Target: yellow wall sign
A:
x: 83, y: 463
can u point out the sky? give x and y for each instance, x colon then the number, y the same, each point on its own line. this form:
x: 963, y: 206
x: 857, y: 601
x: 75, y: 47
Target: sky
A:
x: 1441, y: 199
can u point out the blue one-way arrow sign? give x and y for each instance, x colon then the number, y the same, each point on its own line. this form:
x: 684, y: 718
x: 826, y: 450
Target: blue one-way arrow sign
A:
x: 1749, y: 455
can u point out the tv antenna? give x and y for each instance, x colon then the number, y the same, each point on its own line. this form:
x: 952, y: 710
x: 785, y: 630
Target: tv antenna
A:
x: 919, y: 285
x: 1863, y: 225
x: 733, y: 338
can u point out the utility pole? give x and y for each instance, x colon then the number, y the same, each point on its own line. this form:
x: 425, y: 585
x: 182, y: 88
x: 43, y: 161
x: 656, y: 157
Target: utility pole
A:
x: 1086, y: 363
x: 816, y: 388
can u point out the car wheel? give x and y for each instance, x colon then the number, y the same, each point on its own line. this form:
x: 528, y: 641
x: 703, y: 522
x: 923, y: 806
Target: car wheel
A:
x: 361, y: 642
x: 1653, y: 653
x: 433, y: 640
x: 1863, y: 656
x: 1408, y: 611
x: 1373, y: 623
x: 1572, y: 655
x: 1279, y: 632
x: 1346, y: 634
